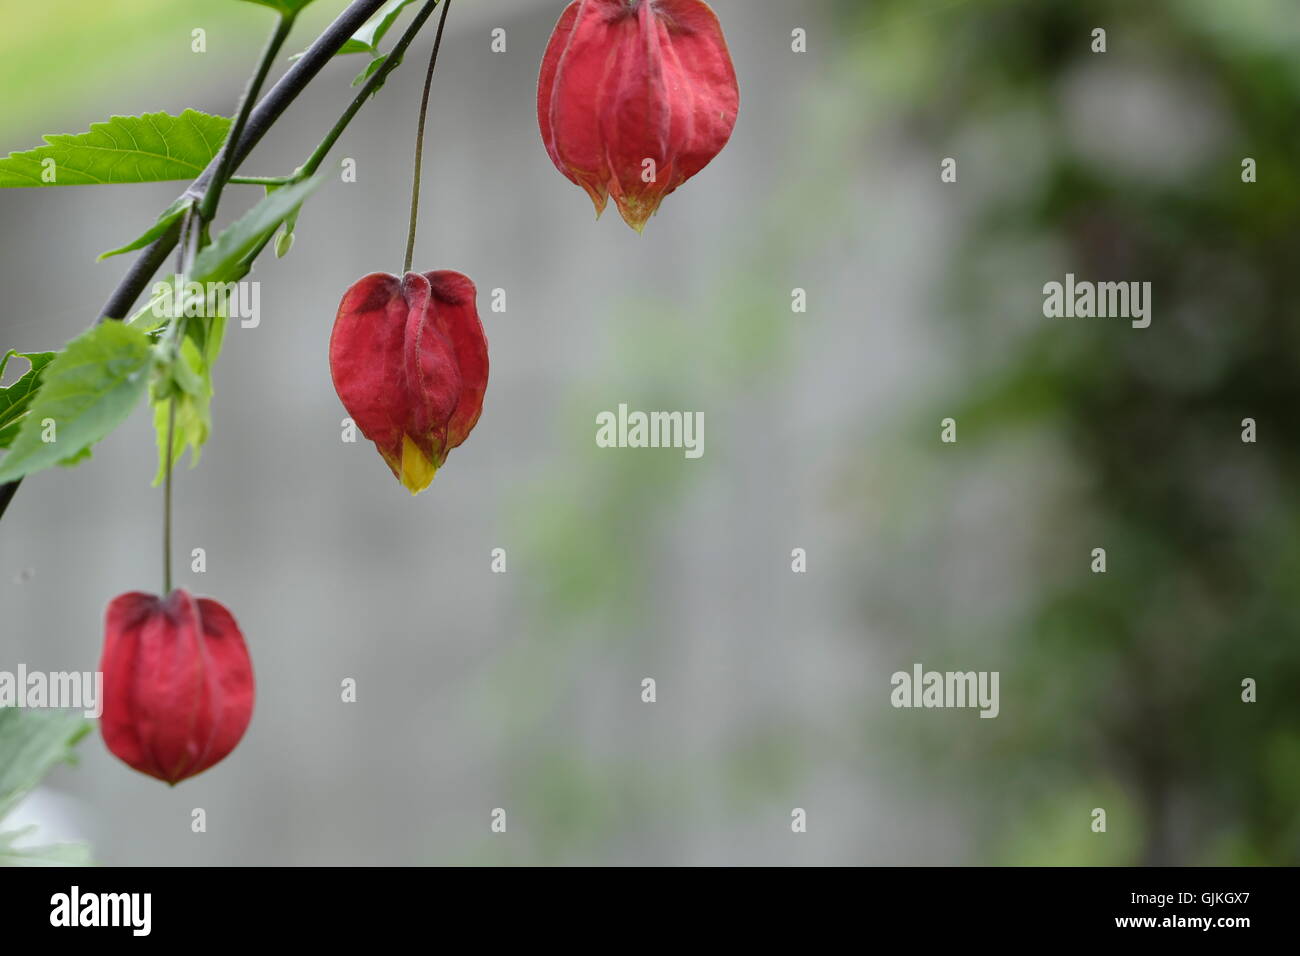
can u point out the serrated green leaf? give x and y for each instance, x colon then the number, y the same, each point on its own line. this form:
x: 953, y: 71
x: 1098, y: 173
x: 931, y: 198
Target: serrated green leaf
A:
x: 16, y: 398
x: 32, y: 742
x: 87, y: 390
x: 225, y: 260
x: 7, y: 434
x: 170, y: 216
x: 126, y: 149
x: 76, y: 458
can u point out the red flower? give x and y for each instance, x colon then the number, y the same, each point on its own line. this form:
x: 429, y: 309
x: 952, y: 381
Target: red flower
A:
x: 635, y: 97
x: 178, y: 684
x: 410, y: 364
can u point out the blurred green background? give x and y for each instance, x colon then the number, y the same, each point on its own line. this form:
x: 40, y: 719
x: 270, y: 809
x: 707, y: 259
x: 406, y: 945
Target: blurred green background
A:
x: 1119, y: 690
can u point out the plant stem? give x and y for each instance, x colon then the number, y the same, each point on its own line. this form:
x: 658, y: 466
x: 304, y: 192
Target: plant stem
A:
x: 259, y: 121
x: 263, y: 116
x: 368, y: 89
x: 152, y: 257
x: 7, y: 492
x: 260, y: 180
x: 167, y: 500
x: 419, y: 140
x: 175, y: 332
x: 226, y: 158
x: 376, y: 80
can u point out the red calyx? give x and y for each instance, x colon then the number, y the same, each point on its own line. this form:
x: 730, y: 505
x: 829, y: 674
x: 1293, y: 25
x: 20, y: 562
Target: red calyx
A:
x: 178, y: 683
x: 410, y: 364
x: 635, y: 97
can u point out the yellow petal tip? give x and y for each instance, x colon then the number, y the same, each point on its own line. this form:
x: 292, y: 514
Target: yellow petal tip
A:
x: 417, y: 470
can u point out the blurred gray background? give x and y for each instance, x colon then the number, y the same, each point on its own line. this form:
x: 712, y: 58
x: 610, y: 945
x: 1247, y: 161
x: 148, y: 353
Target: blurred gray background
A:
x: 522, y: 690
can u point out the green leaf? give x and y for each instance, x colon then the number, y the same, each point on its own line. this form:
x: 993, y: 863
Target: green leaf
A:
x: 192, y: 426
x: 55, y: 854
x: 75, y: 459
x: 126, y: 149
x: 32, y: 742
x: 17, y: 398
x: 370, y: 69
x: 284, y: 241
x: 156, y: 312
x: 225, y: 260
x: 185, y: 381
x: 169, y: 216
x: 189, y: 384
x: 87, y: 391
x: 370, y: 33
x: 208, y: 333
